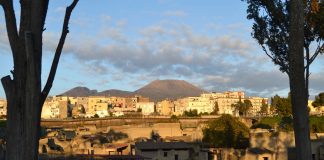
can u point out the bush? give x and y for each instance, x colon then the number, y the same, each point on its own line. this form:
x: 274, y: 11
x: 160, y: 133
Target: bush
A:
x: 227, y: 132
x: 191, y: 113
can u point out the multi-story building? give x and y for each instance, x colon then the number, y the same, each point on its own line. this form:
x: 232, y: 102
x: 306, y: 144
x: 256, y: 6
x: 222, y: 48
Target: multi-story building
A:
x: 98, y: 105
x: 201, y: 104
x: 225, y: 105
x: 180, y: 106
x: 3, y: 107
x: 146, y: 107
x: 165, y: 107
x: 257, y: 104
x: 55, y: 108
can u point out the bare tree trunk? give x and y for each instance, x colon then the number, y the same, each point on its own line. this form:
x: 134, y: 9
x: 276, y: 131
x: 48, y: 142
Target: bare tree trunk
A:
x: 23, y: 92
x: 297, y: 81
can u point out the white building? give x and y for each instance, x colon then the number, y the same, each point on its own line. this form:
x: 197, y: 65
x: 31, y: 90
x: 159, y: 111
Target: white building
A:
x: 146, y: 107
x: 201, y: 104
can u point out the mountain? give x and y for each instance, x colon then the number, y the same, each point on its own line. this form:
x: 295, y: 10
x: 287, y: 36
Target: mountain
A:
x: 80, y: 92
x: 157, y: 90
x: 115, y: 92
x: 84, y: 92
x: 168, y: 89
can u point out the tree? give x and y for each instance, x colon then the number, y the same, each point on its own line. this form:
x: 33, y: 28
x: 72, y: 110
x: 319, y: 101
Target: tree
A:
x: 191, y: 113
x: 23, y: 91
x: 243, y: 107
x: 282, y: 105
x: 226, y: 132
x: 216, y: 109
x: 319, y: 100
x: 284, y: 29
x: 264, y: 107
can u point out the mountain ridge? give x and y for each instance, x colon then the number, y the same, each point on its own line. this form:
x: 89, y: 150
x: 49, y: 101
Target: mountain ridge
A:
x: 156, y: 90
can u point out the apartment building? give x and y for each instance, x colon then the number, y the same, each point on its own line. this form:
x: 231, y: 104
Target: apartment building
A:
x: 98, y: 105
x: 180, y: 106
x: 201, y: 104
x: 146, y: 107
x: 55, y: 108
x: 3, y: 107
x: 225, y: 105
x: 165, y: 107
x: 257, y: 104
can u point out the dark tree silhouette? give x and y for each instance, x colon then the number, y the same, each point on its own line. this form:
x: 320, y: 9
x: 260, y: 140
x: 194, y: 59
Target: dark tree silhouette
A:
x: 23, y: 91
x: 284, y: 29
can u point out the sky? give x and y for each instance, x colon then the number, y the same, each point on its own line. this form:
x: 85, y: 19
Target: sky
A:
x: 125, y: 44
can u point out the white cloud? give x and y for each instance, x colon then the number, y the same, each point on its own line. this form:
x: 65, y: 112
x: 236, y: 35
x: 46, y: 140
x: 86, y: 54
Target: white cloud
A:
x: 217, y: 63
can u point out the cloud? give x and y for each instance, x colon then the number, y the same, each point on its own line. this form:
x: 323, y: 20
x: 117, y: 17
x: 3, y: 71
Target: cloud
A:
x: 4, y: 42
x: 176, y: 13
x: 214, y: 62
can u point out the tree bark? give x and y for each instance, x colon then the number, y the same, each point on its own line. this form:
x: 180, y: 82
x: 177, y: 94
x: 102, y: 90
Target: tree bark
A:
x: 297, y: 81
x: 23, y: 92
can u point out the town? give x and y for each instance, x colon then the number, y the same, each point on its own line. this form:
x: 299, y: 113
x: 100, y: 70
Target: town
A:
x: 137, y: 128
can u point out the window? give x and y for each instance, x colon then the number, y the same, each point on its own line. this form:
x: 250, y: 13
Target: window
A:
x: 165, y: 154
x: 265, y: 158
x: 176, y: 157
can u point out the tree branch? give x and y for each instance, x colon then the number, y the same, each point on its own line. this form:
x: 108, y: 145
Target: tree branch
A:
x: 10, y: 24
x: 7, y: 85
x: 319, y: 50
x: 59, y: 48
x: 274, y: 60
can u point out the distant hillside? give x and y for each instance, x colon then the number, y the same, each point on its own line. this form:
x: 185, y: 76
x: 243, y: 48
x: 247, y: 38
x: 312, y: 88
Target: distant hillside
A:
x: 157, y: 90
x: 115, y: 92
x: 79, y: 92
x: 169, y: 89
x: 84, y: 92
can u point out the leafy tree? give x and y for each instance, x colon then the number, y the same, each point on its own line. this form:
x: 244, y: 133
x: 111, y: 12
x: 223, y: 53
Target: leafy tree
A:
x: 264, y: 107
x: 282, y: 105
x: 96, y: 116
x: 243, y: 107
x: 155, y: 136
x: 226, y: 132
x: 275, y: 22
x: 174, y: 117
x: 191, y: 113
x: 216, y: 109
x: 24, y: 91
x: 316, y: 124
x: 319, y: 100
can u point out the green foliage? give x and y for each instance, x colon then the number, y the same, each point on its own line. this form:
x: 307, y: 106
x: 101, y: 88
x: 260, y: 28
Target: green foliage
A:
x: 264, y: 107
x: 96, y: 116
x: 227, y: 132
x: 216, y: 109
x: 271, y: 28
x: 319, y: 100
x: 244, y: 107
x: 282, y: 105
x: 286, y: 124
x: 316, y: 124
x: 191, y: 113
x: 174, y: 117
x: 139, y: 110
x: 261, y: 125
